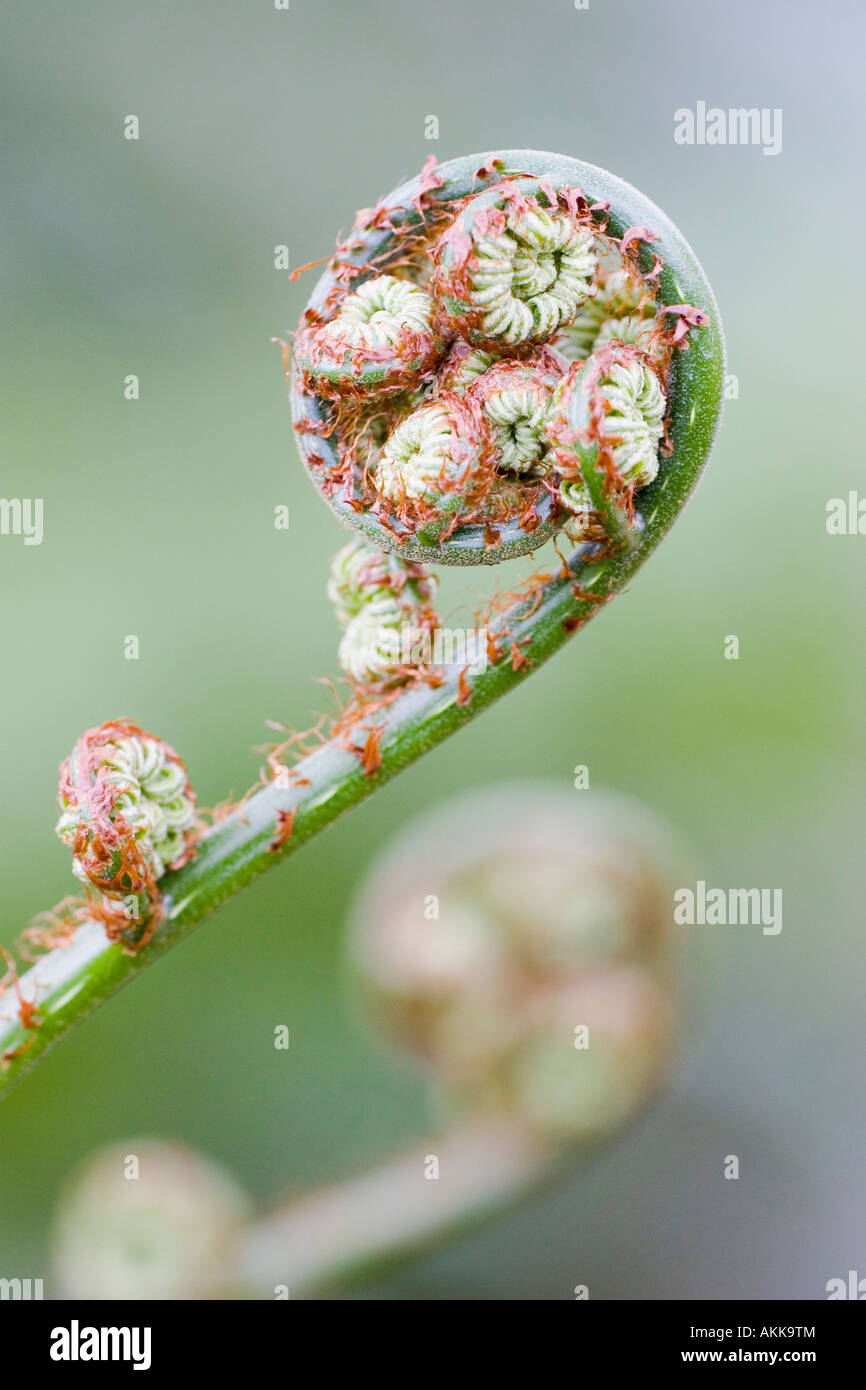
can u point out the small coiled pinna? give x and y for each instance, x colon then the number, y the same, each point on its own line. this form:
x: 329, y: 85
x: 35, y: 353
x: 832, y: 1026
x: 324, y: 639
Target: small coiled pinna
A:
x: 127, y: 812
x: 382, y: 338
x: 513, y: 267
x: 376, y: 597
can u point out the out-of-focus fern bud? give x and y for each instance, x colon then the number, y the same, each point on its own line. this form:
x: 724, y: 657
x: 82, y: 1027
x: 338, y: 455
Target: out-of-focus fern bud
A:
x: 591, y: 1052
x: 147, y: 1220
x: 516, y: 931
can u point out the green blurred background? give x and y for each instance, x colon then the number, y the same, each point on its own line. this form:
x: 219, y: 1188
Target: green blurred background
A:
x: 261, y: 127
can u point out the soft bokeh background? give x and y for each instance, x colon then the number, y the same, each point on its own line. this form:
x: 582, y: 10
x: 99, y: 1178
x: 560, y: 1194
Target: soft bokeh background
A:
x: 261, y: 127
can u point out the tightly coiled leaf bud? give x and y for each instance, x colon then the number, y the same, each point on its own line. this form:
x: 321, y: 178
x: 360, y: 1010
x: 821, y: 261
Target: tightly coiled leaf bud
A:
x: 620, y: 303
x: 438, y: 464
x: 514, y: 266
x: 463, y: 366
x: 127, y: 812
x: 609, y: 410
x: 515, y: 398
x: 361, y: 574
x: 374, y: 595
x: 584, y: 523
x: 383, y: 338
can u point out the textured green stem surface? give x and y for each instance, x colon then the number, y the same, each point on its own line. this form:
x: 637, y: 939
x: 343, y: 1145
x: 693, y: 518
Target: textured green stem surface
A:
x: 69, y: 982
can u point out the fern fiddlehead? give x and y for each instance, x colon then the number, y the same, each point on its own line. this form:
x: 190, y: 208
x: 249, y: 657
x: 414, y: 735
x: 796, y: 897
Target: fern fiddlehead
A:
x: 344, y: 422
x: 127, y: 812
x: 525, y: 253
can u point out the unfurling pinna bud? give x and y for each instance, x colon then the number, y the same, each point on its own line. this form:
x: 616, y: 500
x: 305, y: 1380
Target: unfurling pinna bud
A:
x: 514, y: 267
x: 514, y: 398
x: 127, y: 812
x: 612, y: 407
x: 540, y: 982
x: 375, y: 595
x: 603, y: 429
x: 147, y: 1220
x: 382, y: 338
x: 437, y: 465
x: 622, y: 307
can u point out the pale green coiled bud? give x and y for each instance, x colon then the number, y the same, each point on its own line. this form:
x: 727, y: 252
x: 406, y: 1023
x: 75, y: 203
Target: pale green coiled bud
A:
x: 510, y: 270
x: 127, y: 812
x: 514, y: 398
x: 642, y: 333
x: 382, y: 338
x: 612, y: 405
x: 438, y: 463
x: 376, y: 596
x: 147, y: 1220
x: 360, y: 574
x: 584, y: 522
x: 619, y: 294
x: 463, y: 366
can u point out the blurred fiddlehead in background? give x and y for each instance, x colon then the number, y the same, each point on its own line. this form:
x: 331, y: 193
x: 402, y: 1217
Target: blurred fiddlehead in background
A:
x: 538, y: 991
